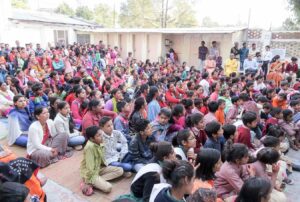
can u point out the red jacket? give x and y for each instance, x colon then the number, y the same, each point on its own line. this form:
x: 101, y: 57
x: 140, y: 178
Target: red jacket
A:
x: 244, y: 137
x: 171, y: 98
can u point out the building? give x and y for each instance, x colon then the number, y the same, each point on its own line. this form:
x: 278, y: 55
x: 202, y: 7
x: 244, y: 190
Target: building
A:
x: 153, y: 44
x: 39, y: 27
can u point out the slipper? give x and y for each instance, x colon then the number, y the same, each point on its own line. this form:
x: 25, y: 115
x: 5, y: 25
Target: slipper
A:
x: 61, y: 157
x: 54, y: 160
x: 288, y: 181
x: 68, y: 154
x: 86, y: 189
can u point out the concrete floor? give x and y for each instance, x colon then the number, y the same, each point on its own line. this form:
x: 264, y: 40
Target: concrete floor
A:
x: 63, y: 183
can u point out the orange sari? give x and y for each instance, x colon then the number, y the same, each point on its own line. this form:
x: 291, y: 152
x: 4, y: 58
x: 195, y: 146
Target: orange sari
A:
x: 275, y: 72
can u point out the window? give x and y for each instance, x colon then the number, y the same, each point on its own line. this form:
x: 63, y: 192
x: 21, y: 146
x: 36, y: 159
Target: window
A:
x: 61, y: 37
x: 83, y: 38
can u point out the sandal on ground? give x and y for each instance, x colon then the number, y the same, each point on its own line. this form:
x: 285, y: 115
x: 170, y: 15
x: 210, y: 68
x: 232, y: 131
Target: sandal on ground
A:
x: 61, y: 157
x: 54, y: 160
x: 86, y: 189
x: 288, y: 181
x: 68, y: 154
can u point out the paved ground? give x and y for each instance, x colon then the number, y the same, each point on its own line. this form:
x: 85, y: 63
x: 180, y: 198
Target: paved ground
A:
x: 64, y: 179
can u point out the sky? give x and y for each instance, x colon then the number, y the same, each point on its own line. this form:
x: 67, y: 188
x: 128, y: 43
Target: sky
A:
x: 263, y: 13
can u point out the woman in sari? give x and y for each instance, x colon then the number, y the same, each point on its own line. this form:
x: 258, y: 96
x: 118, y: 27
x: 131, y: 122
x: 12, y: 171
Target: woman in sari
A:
x: 45, y: 145
x: 275, y: 70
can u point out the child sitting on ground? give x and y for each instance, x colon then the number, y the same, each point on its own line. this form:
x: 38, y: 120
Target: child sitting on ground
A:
x: 161, y: 126
x: 220, y: 115
x: 93, y: 168
x: 121, y: 122
x: 290, y: 128
x: 214, y: 133
x: 229, y: 133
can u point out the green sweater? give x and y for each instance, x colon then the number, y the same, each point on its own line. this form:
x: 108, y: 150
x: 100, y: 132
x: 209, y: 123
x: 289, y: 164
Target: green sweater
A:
x: 92, y: 161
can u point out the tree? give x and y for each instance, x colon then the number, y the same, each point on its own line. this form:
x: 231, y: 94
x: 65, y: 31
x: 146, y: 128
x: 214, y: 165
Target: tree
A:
x: 65, y: 9
x: 182, y: 15
x: 84, y: 12
x: 144, y: 14
x: 208, y: 22
x: 23, y: 4
x: 293, y: 22
x: 104, y: 15
x: 138, y: 14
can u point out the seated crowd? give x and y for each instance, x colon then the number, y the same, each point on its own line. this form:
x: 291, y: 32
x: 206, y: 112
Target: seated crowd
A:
x: 188, y: 134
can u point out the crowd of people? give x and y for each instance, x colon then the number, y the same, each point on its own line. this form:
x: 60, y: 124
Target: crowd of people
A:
x: 214, y: 132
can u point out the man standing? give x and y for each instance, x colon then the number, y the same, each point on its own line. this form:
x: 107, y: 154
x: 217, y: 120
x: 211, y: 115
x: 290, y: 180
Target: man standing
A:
x: 267, y: 57
x: 235, y: 50
x: 202, y: 53
x: 244, y: 52
x: 253, y: 50
x: 214, y: 52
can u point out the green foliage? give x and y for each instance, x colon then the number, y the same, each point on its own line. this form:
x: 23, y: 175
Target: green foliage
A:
x: 157, y: 13
x: 84, y: 12
x: 65, y: 9
x: 208, y: 22
x: 182, y: 15
x: 23, y: 4
x: 105, y: 15
x: 293, y: 22
x: 138, y: 14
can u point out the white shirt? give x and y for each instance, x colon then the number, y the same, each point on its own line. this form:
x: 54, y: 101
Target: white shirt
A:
x: 267, y: 56
x: 259, y: 86
x: 204, y: 83
x: 250, y: 64
x: 36, y: 134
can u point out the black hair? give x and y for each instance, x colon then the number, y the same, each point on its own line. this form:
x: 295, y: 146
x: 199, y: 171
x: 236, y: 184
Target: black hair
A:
x: 104, y: 120
x: 138, y: 104
x: 152, y: 92
x: 229, y: 130
x: 268, y: 155
x: 267, y: 106
x: 193, y: 119
x: 38, y: 111
x: 212, y: 128
x: 262, y: 99
x: 286, y: 113
x: 161, y: 150
x: 177, y: 110
x: 254, y: 189
x: 293, y: 103
x: 244, y: 96
x: 207, y: 158
x: 283, y: 95
x: 275, y: 131
x: 52, y: 74
x: 61, y: 105
x: 221, y: 101
x: 121, y: 105
x: 91, y: 131
x: 213, y: 106
x: 270, y: 141
x: 93, y: 103
x: 248, y: 118
x: 78, y: 91
x: 234, y: 99
x: 205, y: 75
x: 165, y: 111
x: 17, y: 97
x: 182, y: 135
x: 237, y: 152
x: 275, y: 111
x: 198, y: 102
x: 203, y: 195
x: 141, y: 125
x: 176, y: 171
x: 36, y: 87
x: 187, y: 103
